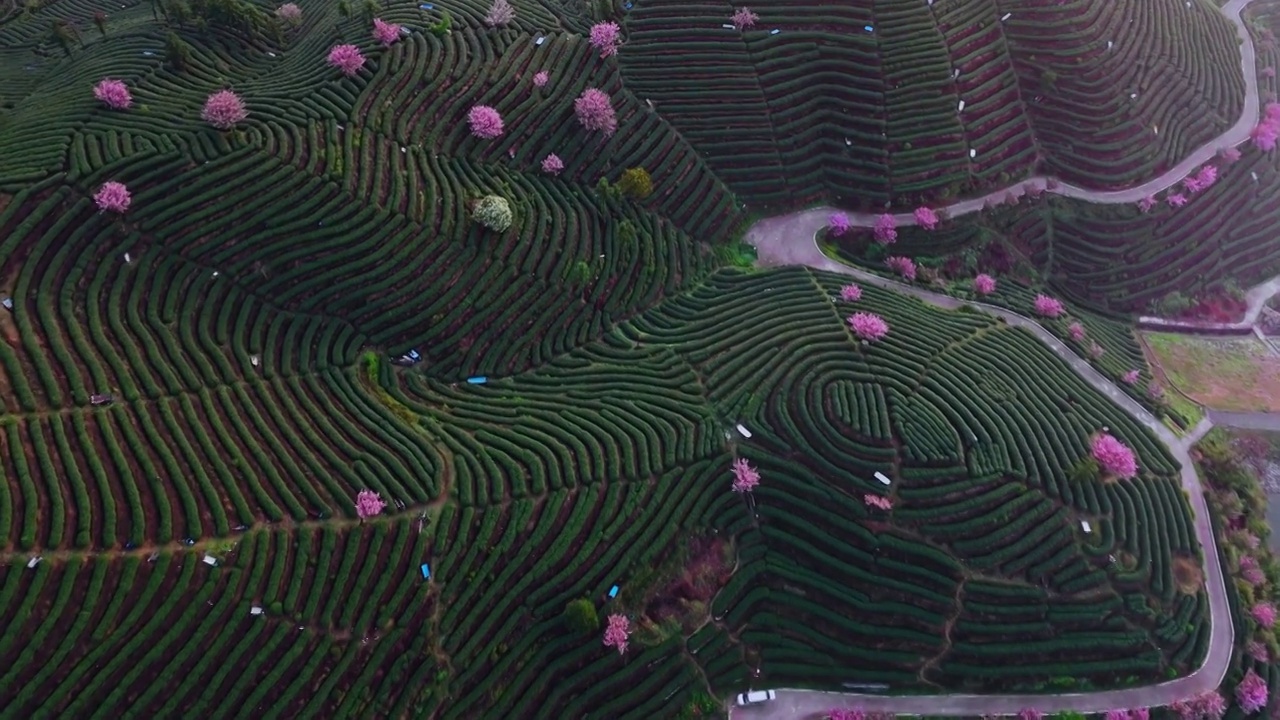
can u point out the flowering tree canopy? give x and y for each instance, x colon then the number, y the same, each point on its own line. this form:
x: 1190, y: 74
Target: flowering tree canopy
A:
x: 743, y: 18
x: 1264, y: 135
x: 595, y: 112
x: 850, y: 293
x: 1176, y: 200
x: 385, y: 32
x: 984, y: 284
x: 290, y: 13
x: 494, y: 212
x: 112, y: 197
x: 878, y: 501
x: 1264, y: 613
x: 926, y: 218
x: 346, y: 58
x: 606, y: 37
x: 1076, y: 331
x: 1207, y: 176
x: 223, y: 110
x: 1251, y: 571
x: 615, y: 635
x: 1208, y: 705
x: 868, y: 326
x: 839, y: 223
x: 552, y: 164
x: 1251, y: 693
x: 485, y: 122
x: 904, y: 266
x: 1258, y: 651
x: 1095, y: 350
x: 1132, y: 714
x: 885, y: 229
x: 745, y: 477
x: 1130, y: 377
x: 541, y: 78
x: 1113, y: 456
x: 1146, y: 203
x: 500, y: 14
x: 1030, y: 714
x: 1229, y: 155
x: 368, y: 504
x: 1047, y: 306
x: 113, y: 93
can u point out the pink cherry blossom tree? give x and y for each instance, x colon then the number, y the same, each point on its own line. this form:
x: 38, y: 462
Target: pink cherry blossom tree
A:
x: 485, y: 122
x: 595, y: 111
x: 1030, y: 714
x: 839, y: 223
x: 290, y: 13
x: 368, y: 504
x: 743, y: 18
x: 606, y: 37
x: 1130, y: 377
x: 541, y: 78
x: 346, y: 58
x: 113, y: 93
x: 1146, y: 203
x: 1251, y: 571
x: 500, y: 14
x: 1047, y: 306
x: 1176, y: 200
x: 745, y: 477
x: 1251, y: 693
x: 1095, y: 350
x: 1192, y: 185
x: 1264, y: 613
x: 615, y: 635
x: 877, y: 501
x: 868, y: 326
x: 1265, y: 134
x: 984, y: 284
x: 1207, y: 176
x: 552, y: 164
x: 904, y: 266
x: 1113, y: 456
x: 886, y: 229
x: 1258, y: 651
x: 1076, y: 331
x: 1229, y: 155
x: 926, y: 218
x: 112, y: 197
x: 1208, y: 705
x: 223, y: 110
x: 385, y: 32
x: 850, y: 293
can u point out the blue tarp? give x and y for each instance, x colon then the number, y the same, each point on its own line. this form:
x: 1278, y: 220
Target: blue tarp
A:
x: 426, y: 571
x: 478, y: 380
x: 868, y: 28
x: 427, y: 6
x: 774, y: 31
x: 613, y: 591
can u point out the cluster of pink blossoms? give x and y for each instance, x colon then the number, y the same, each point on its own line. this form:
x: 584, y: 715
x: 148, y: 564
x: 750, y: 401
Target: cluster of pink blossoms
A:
x: 368, y: 504
x: 1229, y: 155
x: 878, y: 501
x: 851, y: 293
x: 1264, y: 613
x: 595, y: 111
x: 1113, y: 456
x: 606, y: 37
x: 1136, y: 714
x: 1146, y: 203
x: 1208, y: 705
x: 1076, y: 331
x: 552, y: 164
x: 886, y: 229
x: 112, y: 197
x: 745, y: 477
x: 385, y: 32
x: 1266, y: 133
x: 743, y: 18
x: 485, y: 122
x: 1202, y: 180
x: 615, y: 635
x: 1258, y: 651
x: 868, y: 326
x: 984, y: 284
x: 1030, y: 714
x: 290, y: 13
x: 500, y: 14
x: 1251, y: 693
x: 541, y: 78
x: 1130, y: 377
x: 839, y: 223
x: 1176, y: 200
x: 926, y: 218
x: 904, y: 266
x: 1048, y: 307
x: 223, y: 110
x: 113, y: 93
x: 1251, y: 571
x: 346, y: 58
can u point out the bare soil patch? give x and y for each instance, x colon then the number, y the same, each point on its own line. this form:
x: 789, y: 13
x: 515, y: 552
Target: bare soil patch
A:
x: 1187, y: 574
x: 1238, y: 374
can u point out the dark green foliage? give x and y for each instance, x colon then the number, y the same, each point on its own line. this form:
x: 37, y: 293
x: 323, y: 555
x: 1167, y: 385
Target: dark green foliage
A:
x: 580, y: 616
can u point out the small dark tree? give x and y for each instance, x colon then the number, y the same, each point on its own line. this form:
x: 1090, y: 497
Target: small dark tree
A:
x: 580, y: 615
x: 100, y: 19
x: 636, y: 183
x: 177, y: 52
x: 64, y: 34
x: 1085, y: 470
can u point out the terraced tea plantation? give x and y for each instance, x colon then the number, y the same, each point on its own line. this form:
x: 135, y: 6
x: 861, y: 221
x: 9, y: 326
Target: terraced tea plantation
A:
x: 198, y: 378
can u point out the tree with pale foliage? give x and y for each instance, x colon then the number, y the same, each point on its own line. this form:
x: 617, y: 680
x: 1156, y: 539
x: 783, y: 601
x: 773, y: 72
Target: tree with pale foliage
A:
x: 494, y: 212
x: 1095, y: 350
x: 289, y: 13
x: 1264, y: 613
x: 1047, y: 306
x: 839, y: 223
x: 904, y: 266
x: 885, y: 229
x: 926, y: 218
x: 223, y: 110
x: 743, y: 18
x: 346, y: 58
x: 385, y: 32
x: 113, y: 93
x: 984, y: 284
x: 552, y: 164
x: 606, y: 37
x: 1207, y: 176
x: 1208, y: 705
x: 1258, y: 651
x: 500, y: 14
x: 1030, y: 714
x: 1076, y: 331
x: 1176, y: 200
x: 485, y: 122
x: 877, y: 501
x: 1130, y: 377
x: 541, y: 78
x: 615, y: 635
x: 1251, y: 571
x: 112, y: 197
x: 1229, y: 155
x: 1265, y: 134
x: 851, y: 293
x: 1251, y: 693
x: 1146, y: 203
x: 868, y: 327
x: 745, y: 477
x: 595, y: 111
x: 368, y: 504
x: 1113, y: 456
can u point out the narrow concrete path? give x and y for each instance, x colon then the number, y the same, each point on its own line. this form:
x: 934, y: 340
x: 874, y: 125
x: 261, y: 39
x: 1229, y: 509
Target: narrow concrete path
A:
x: 791, y: 240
